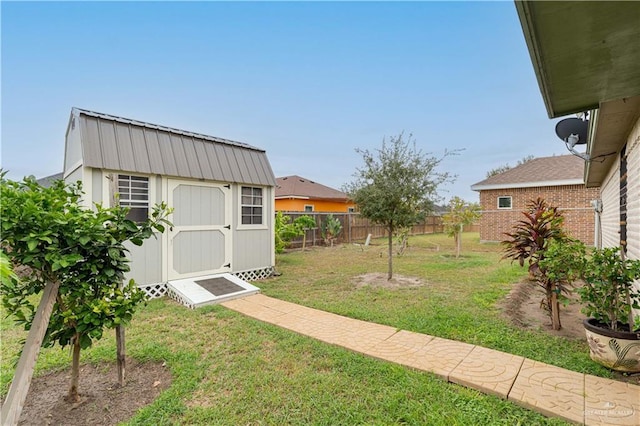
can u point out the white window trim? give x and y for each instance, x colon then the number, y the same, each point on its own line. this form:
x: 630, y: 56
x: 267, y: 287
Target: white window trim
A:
x: 263, y: 225
x: 309, y: 205
x: 510, y: 202
x: 106, y: 186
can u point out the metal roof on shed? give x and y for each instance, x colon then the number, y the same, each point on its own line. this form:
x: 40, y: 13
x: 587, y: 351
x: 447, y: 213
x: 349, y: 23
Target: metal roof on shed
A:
x: 116, y: 143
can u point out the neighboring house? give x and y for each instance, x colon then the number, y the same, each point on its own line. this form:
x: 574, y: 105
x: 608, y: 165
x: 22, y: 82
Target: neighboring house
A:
x: 298, y: 194
x: 558, y: 180
x: 221, y: 192
x: 47, y: 181
x: 586, y: 56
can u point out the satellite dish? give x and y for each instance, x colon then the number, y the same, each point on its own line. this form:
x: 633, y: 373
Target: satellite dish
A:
x: 571, y: 128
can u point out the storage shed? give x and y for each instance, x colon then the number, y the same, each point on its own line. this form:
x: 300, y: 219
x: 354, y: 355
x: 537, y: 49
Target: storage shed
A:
x: 222, y: 193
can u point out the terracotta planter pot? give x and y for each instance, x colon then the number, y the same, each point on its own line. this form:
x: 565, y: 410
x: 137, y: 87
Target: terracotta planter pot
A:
x: 617, y: 350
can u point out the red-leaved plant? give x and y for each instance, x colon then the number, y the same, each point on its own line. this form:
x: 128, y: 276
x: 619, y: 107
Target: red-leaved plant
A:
x: 529, y: 241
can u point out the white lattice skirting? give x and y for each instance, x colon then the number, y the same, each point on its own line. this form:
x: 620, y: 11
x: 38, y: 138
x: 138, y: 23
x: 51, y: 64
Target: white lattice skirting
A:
x: 178, y: 298
x: 255, y: 274
x: 153, y: 291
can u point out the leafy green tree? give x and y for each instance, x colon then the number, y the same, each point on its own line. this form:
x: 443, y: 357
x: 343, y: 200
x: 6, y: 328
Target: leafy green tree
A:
x: 7, y: 276
x: 304, y: 223
x: 80, y: 249
x: 460, y: 213
x: 397, y: 186
x: 286, y: 230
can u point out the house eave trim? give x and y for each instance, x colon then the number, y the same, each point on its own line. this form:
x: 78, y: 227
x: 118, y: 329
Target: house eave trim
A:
x: 528, y: 184
x: 292, y: 197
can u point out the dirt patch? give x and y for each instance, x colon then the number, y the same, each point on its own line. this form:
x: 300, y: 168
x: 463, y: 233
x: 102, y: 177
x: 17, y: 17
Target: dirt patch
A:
x: 102, y: 402
x: 523, y: 308
x: 379, y: 280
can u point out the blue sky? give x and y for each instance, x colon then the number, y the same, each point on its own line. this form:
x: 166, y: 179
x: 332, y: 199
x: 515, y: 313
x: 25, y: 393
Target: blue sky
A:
x: 307, y: 82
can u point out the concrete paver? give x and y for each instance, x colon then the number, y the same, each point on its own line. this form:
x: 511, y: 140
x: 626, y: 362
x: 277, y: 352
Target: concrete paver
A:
x: 550, y: 390
x: 488, y: 371
x: 439, y: 356
x: 609, y: 402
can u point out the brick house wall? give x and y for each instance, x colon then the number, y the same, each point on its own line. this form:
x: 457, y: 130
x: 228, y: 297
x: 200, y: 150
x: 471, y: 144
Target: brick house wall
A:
x: 573, y: 200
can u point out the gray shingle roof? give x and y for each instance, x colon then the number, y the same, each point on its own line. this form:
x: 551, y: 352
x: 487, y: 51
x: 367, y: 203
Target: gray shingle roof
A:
x: 47, y: 181
x: 544, y: 171
x: 299, y: 187
x: 116, y: 143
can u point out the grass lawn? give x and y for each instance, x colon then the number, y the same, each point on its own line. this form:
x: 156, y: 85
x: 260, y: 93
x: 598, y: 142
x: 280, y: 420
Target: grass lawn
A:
x: 229, y: 369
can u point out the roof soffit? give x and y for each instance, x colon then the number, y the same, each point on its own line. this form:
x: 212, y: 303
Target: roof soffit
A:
x: 612, y: 125
x: 582, y: 52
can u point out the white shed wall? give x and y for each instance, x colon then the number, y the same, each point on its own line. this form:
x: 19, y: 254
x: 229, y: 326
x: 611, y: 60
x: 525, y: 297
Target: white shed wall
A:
x: 72, y: 147
x: 146, y: 261
x: 75, y: 176
x: 253, y: 248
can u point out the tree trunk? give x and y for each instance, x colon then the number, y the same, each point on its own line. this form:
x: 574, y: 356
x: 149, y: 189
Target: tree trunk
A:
x: 304, y: 240
x: 73, y: 395
x: 390, y: 274
x: 459, y: 242
x: 555, y: 311
x: 120, y: 354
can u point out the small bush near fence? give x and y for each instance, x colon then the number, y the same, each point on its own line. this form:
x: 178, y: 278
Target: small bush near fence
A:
x: 355, y: 228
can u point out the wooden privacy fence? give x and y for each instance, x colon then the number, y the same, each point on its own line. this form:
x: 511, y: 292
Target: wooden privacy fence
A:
x: 355, y: 228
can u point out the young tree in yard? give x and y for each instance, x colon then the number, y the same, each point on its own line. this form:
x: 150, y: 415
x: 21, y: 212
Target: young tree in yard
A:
x: 305, y: 223
x: 80, y: 250
x: 397, y: 186
x: 286, y: 230
x: 460, y: 213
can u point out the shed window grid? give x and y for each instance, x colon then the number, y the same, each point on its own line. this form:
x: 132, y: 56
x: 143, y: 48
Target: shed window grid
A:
x: 251, y: 206
x: 504, y: 202
x: 134, y: 193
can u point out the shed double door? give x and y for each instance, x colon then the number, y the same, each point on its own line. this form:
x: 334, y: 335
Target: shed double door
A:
x: 200, y: 241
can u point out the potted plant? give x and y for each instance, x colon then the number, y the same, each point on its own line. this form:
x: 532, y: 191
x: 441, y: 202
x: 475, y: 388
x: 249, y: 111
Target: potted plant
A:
x: 609, y: 298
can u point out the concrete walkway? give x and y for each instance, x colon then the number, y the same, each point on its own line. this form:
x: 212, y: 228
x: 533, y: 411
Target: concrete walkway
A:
x: 550, y: 390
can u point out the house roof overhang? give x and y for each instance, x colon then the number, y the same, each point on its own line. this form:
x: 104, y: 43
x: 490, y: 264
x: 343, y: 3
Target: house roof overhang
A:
x: 585, y: 56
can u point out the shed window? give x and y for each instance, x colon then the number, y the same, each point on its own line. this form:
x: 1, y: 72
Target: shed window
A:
x: 351, y: 209
x: 504, y: 202
x: 134, y: 193
x: 308, y: 208
x: 251, y: 206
